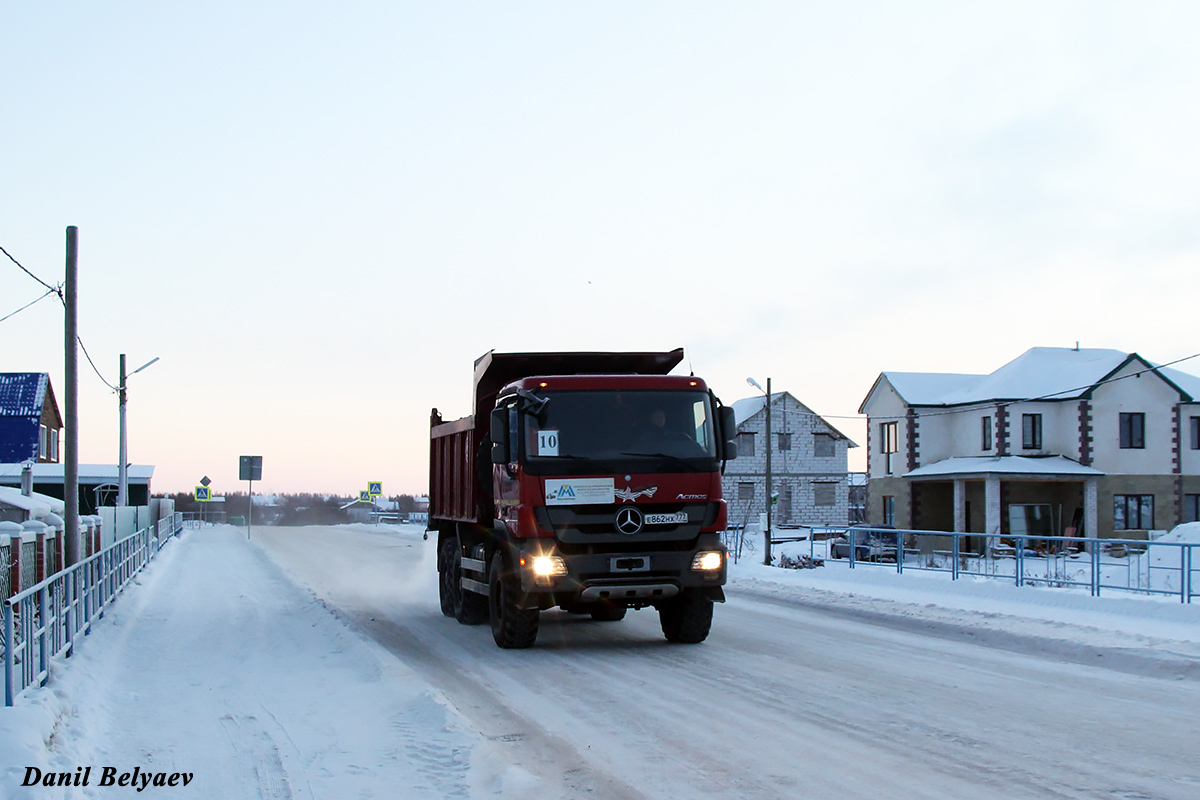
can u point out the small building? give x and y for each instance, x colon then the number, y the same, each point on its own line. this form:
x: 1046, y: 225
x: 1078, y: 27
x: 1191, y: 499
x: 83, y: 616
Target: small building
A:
x: 97, y: 483
x: 809, y: 465
x: 30, y: 422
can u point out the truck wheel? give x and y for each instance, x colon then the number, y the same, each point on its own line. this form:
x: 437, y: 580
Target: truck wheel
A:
x: 512, y: 627
x: 446, y: 575
x: 469, y: 608
x: 608, y: 613
x: 686, y: 618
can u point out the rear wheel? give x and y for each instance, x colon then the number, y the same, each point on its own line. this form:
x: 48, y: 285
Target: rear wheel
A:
x: 686, y: 618
x: 469, y: 608
x: 446, y: 575
x: 512, y: 626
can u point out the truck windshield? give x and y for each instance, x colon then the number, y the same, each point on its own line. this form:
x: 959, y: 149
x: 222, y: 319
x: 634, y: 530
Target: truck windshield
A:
x: 622, y: 426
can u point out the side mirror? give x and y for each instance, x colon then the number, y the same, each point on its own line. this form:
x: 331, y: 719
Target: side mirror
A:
x: 500, y: 436
x: 729, y: 433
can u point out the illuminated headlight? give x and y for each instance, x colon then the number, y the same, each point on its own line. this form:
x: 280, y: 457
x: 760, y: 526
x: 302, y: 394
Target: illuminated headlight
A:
x: 708, y: 561
x: 549, y: 566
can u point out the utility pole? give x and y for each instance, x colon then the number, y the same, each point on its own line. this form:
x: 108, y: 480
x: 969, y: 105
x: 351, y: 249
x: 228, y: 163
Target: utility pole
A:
x: 71, y: 403
x: 767, y: 533
x: 122, y: 469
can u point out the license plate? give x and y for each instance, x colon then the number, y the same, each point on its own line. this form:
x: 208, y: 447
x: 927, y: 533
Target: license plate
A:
x: 666, y: 519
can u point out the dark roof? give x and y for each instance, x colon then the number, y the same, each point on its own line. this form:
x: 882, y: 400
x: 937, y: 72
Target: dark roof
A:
x: 22, y: 396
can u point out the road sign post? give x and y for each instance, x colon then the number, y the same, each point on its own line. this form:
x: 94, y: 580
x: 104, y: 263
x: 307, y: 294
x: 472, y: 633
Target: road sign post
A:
x: 250, y: 469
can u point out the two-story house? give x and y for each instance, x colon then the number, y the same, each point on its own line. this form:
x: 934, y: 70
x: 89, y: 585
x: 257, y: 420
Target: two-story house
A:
x: 1059, y: 441
x: 808, y: 465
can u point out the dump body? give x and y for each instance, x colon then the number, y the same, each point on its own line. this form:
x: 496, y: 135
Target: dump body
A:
x: 587, y: 481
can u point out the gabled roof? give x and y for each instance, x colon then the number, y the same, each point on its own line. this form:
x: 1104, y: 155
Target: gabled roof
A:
x: 748, y: 407
x: 1051, y: 373
x: 22, y: 396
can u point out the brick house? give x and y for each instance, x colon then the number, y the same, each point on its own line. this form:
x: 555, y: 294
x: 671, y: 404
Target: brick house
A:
x: 30, y: 422
x: 1058, y: 441
x: 808, y: 465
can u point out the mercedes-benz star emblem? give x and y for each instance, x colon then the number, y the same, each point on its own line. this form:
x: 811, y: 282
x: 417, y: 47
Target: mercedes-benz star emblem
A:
x: 629, y: 520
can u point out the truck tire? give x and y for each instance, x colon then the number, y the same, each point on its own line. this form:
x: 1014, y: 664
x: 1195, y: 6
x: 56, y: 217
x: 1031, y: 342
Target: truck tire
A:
x: 469, y: 608
x: 512, y: 627
x: 446, y: 575
x: 686, y: 618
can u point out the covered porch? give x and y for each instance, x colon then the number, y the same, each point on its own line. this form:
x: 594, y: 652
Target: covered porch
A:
x: 1005, y: 496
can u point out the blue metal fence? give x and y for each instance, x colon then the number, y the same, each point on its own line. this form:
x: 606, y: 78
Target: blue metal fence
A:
x: 43, y: 621
x: 1137, y: 565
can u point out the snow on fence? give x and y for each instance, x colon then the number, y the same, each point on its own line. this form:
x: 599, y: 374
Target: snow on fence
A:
x: 1147, y: 566
x: 42, y: 621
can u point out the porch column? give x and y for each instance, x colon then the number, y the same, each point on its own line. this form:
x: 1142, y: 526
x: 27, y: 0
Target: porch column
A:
x: 1091, y: 507
x: 960, y: 506
x: 991, y: 518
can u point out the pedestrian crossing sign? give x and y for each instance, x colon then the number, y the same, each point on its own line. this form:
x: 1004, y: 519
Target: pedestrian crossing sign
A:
x: 364, y: 496
x: 375, y: 488
x: 203, y: 494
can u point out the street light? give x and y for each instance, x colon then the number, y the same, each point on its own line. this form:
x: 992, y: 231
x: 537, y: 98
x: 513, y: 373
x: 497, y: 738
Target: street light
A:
x: 767, y: 532
x: 122, y: 466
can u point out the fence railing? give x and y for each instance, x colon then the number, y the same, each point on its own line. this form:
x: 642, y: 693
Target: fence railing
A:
x: 1134, y: 565
x: 43, y: 621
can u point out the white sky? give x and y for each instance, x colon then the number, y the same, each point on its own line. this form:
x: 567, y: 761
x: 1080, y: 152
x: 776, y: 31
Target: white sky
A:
x: 318, y: 219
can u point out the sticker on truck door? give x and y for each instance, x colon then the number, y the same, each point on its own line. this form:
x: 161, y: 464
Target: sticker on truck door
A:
x: 579, y: 491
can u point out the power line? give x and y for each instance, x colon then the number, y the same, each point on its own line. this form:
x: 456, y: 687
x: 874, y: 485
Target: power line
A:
x: 30, y: 274
x: 93, y: 363
x: 27, y: 305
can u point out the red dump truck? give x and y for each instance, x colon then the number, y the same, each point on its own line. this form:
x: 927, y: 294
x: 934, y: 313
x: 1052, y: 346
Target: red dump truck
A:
x: 589, y: 482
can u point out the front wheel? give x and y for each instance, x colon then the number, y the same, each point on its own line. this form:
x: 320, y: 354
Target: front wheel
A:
x: 512, y: 626
x: 686, y: 618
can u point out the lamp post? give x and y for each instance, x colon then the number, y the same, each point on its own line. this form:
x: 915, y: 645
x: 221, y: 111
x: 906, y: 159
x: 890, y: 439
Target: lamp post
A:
x: 122, y: 465
x: 767, y: 532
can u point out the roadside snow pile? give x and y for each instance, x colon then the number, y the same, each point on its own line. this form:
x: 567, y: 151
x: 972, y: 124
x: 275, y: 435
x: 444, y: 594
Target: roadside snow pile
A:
x: 1187, y: 533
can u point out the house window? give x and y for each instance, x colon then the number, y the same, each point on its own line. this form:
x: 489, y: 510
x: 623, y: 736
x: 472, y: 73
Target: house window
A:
x: 54, y: 445
x: 986, y: 433
x: 785, y: 441
x: 1191, y: 507
x: 1196, y: 433
x: 824, y: 446
x: 888, y: 442
x: 745, y: 491
x: 1133, y: 430
x: 1132, y: 512
x: 824, y: 494
x: 745, y: 443
x: 1031, y: 431
x: 889, y: 510
x: 44, y: 442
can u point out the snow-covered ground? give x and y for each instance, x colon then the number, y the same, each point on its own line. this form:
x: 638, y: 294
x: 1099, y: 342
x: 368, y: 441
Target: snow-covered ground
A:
x: 314, y: 663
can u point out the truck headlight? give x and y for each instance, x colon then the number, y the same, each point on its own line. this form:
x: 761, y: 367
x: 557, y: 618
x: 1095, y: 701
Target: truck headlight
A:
x: 708, y: 561
x: 549, y: 566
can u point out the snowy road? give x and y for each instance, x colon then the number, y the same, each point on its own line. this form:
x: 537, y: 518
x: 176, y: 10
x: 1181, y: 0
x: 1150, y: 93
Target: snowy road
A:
x: 785, y: 699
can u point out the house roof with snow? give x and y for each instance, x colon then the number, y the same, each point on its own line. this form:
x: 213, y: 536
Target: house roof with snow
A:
x: 1040, y: 373
x: 748, y: 407
x: 23, y: 397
